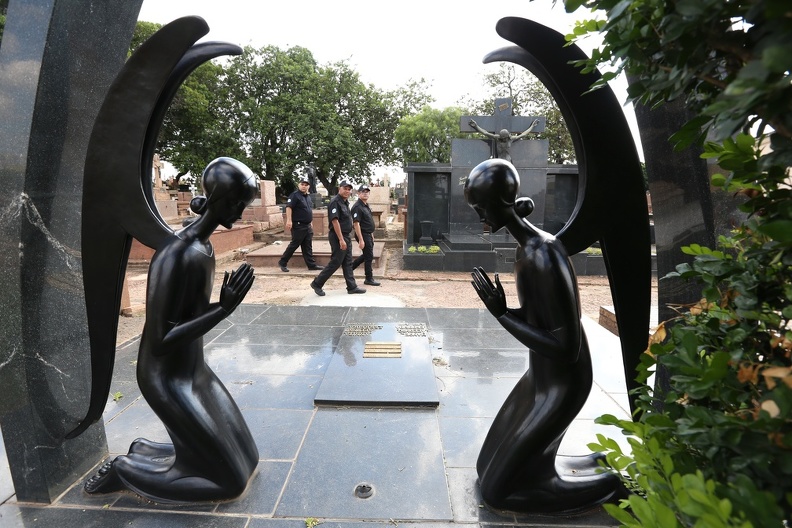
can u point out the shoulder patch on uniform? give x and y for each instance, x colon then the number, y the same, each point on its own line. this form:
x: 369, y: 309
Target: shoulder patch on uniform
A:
x: 354, y: 215
x: 288, y: 201
x: 334, y: 210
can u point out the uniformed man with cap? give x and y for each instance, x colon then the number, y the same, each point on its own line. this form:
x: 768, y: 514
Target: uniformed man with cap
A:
x: 340, y: 218
x: 363, y: 222
x: 299, y: 215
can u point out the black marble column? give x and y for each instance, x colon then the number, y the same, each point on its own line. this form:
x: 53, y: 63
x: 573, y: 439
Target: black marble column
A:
x: 686, y: 209
x: 57, y: 59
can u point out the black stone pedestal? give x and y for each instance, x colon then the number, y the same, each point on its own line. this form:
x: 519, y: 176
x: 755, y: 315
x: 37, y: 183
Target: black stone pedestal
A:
x: 406, y: 380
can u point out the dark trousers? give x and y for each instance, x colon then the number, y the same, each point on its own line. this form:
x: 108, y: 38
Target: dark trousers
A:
x: 367, y: 256
x: 338, y: 259
x: 302, y: 237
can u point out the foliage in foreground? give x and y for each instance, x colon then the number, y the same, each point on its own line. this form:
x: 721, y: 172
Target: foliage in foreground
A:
x: 716, y: 449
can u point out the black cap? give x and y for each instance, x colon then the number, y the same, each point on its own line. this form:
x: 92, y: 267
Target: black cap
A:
x: 363, y: 187
x: 345, y: 183
x: 305, y: 179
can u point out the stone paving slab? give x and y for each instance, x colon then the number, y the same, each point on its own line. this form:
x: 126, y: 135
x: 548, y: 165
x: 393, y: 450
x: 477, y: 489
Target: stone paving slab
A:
x: 397, y: 452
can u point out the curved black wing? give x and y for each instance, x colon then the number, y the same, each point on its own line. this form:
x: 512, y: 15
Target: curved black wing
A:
x: 118, y: 202
x: 611, y: 202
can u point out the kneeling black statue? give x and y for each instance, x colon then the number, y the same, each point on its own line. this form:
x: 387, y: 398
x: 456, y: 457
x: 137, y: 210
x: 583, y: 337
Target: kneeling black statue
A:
x: 213, y: 454
x: 517, y: 466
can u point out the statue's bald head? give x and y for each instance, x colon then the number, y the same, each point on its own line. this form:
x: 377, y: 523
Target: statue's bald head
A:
x: 225, y: 175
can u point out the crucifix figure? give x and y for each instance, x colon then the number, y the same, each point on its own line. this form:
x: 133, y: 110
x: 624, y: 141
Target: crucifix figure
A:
x: 502, y: 123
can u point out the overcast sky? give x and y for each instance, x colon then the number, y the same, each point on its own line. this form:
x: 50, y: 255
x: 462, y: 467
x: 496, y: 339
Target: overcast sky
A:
x: 387, y: 43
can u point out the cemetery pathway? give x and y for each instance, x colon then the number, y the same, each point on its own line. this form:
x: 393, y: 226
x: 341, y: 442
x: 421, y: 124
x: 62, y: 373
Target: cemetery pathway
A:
x: 415, y: 289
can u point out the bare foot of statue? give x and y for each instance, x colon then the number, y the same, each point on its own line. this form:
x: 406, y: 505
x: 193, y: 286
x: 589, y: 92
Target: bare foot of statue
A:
x: 106, y: 480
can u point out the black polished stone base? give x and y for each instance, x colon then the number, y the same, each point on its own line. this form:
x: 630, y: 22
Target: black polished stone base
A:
x: 420, y: 462
x: 405, y: 381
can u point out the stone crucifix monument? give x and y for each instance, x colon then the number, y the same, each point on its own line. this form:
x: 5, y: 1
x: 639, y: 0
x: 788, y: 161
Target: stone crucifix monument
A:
x: 503, y: 132
x: 503, y: 140
x: 464, y: 241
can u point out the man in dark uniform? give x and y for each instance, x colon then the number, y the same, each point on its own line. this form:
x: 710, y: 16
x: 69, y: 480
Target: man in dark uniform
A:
x: 340, y: 218
x: 299, y: 214
x: 363, y: 223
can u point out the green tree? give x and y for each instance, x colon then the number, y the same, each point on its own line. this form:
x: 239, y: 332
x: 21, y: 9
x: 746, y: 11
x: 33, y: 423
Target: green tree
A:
x: 410, y: 98
x: 353, y: 130
x: 270, y: 96
x: 356, y: 126
x: 195, y: 130
x: 425, y: 137
x: 291, y: 112
x: 716, y: 449
x: 529, y: 97
x: 279, y: 111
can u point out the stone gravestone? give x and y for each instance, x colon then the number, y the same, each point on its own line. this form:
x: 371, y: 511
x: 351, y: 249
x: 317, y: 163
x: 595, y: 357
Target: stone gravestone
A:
x: 167, y: 207
x: 427, y: 200
x: 380, y: 203
x: 53, y: 85
x: 437, y: 211
x: 264, y: 213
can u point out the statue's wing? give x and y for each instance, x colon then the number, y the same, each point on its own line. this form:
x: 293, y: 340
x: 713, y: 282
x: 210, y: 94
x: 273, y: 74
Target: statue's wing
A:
x: 611, y: 200
x: 118, y: 202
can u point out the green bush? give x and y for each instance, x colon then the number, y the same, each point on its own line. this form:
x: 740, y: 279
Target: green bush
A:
x: 431, y: 250
x: 715, y: 450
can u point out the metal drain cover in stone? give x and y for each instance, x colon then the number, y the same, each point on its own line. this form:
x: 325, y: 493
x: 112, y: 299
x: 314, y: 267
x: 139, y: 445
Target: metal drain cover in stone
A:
x: 381, y: 364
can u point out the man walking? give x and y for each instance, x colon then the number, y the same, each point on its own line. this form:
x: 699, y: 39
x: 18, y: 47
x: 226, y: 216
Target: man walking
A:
x: 340, y: 218
x: 363, y: 222
x: 299, y: 215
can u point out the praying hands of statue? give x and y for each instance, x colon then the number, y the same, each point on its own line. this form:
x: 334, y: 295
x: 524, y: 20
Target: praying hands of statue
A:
x: 235, y: 287
x: 492, y: 294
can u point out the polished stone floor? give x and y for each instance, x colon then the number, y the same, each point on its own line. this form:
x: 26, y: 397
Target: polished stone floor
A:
x: 418, y: 457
